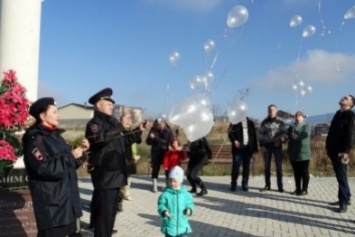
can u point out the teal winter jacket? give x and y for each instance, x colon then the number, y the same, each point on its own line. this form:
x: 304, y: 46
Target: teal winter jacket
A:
x: 176, y: 202
x: 299, y: 147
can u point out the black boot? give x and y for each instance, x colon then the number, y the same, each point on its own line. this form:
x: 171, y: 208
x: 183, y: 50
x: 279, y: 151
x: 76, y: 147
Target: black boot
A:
x: 233, y: 186
x: 193, y: 190
x: 203, y: 189
x: 75, y: 235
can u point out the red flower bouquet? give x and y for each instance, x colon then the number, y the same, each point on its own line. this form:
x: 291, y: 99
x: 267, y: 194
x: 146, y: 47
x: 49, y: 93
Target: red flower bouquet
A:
x: 13, y: 116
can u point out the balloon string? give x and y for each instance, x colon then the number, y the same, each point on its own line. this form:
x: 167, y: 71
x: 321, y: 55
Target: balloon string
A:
x: 240, y: 36
x: 324, y: 28
x: 221, y: 78
x: 220, y: 147
x: 113, y: 137
x: 214, y: 60
x: 337, y: 66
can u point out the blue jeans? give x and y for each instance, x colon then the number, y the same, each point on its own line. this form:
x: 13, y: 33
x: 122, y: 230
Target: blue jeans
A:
x: 278, y: 162
x: 341, y: 174
x: 241, y: 157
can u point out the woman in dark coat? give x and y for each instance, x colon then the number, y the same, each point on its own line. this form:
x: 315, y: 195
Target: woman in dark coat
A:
x: 199, y: 153
x: 159, y: 138
x: 131, y: 167
x: 299, y: 152
x: 51, y: 166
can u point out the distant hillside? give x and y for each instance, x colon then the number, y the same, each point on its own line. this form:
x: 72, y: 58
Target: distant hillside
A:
x: 322, y: 118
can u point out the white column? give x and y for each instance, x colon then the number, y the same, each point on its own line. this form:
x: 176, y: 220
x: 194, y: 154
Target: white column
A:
x: 20, y: 22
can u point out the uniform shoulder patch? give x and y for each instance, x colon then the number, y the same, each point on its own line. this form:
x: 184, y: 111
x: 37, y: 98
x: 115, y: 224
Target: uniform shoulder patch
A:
x: 94, y: 128
x: 37, y: 154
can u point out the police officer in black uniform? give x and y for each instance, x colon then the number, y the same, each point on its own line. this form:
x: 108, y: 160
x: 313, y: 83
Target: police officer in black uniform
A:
x: 107, y: 157
x: 51, y: 167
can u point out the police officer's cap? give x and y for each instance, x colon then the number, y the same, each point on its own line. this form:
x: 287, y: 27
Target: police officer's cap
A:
x: 40, y: 106
x: 104, y: 94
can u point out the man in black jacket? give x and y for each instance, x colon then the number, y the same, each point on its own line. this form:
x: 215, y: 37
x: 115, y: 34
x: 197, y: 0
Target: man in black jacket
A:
x: 107, y: 146
x: 272, y: 134
x: 244, y: 144
x: 339, y: 142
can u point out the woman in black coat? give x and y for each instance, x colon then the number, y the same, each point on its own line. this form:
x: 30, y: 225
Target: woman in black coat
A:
x: 51, y: 166
x: 159, y: 138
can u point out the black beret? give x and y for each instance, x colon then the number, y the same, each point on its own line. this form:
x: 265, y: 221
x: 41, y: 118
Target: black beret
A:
x: 40, y: 106
x: 104, y: 94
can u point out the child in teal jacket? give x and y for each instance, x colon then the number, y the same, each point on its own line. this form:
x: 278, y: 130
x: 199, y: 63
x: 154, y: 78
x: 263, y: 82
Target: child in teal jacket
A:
x: 175, y: 206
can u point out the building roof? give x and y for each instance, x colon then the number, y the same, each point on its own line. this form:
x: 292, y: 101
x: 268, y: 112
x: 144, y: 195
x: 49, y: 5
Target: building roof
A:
x: 91, y: 107
x: 88, y: 107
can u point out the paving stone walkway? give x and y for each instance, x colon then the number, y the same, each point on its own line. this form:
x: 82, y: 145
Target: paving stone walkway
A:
x: 225, y: 213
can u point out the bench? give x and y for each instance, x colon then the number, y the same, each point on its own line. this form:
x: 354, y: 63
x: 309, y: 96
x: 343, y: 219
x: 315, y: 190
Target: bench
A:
x: 221, y: 153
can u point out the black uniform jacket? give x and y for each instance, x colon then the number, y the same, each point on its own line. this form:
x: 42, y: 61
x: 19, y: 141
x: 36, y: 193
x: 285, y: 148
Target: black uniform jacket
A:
x: 108, y: 142
x: 51, y: 170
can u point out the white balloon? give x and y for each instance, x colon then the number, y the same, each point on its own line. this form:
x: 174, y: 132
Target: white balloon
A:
x: 202, y: 99
x: 208, y: 78
x: 237, y: 16
x: 196, y: 82
x: 202, y: 126
x: 209, y: 46
x: 184, y: 112
x: 237, y: 111
x: 308, y: 31
x: 174, y: 57
x: 296, y: 21
x: 350, y: 14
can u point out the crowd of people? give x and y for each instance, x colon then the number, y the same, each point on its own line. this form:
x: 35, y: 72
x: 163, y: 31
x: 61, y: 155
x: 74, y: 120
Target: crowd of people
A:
x: 109, y: 152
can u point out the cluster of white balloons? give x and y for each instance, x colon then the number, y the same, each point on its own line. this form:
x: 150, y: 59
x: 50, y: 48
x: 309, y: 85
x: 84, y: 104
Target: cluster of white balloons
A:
x: 209, y: 45
x: 308, y: 31
x: 199, y: 81
x: 174, y: 58
x: 302, y: 89
x: 237, y: 111
x: 194, y: 115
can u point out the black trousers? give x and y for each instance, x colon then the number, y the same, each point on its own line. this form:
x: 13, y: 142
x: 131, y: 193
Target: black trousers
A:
x: 59, y: 231
x: 193, y: 169
x: 92, y: 207
x: 243, y: 157
x: 301, y: 174
x: 105, y: 211
x: 341, y: 171
x: 155, y: 170
x: 156, y: 161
